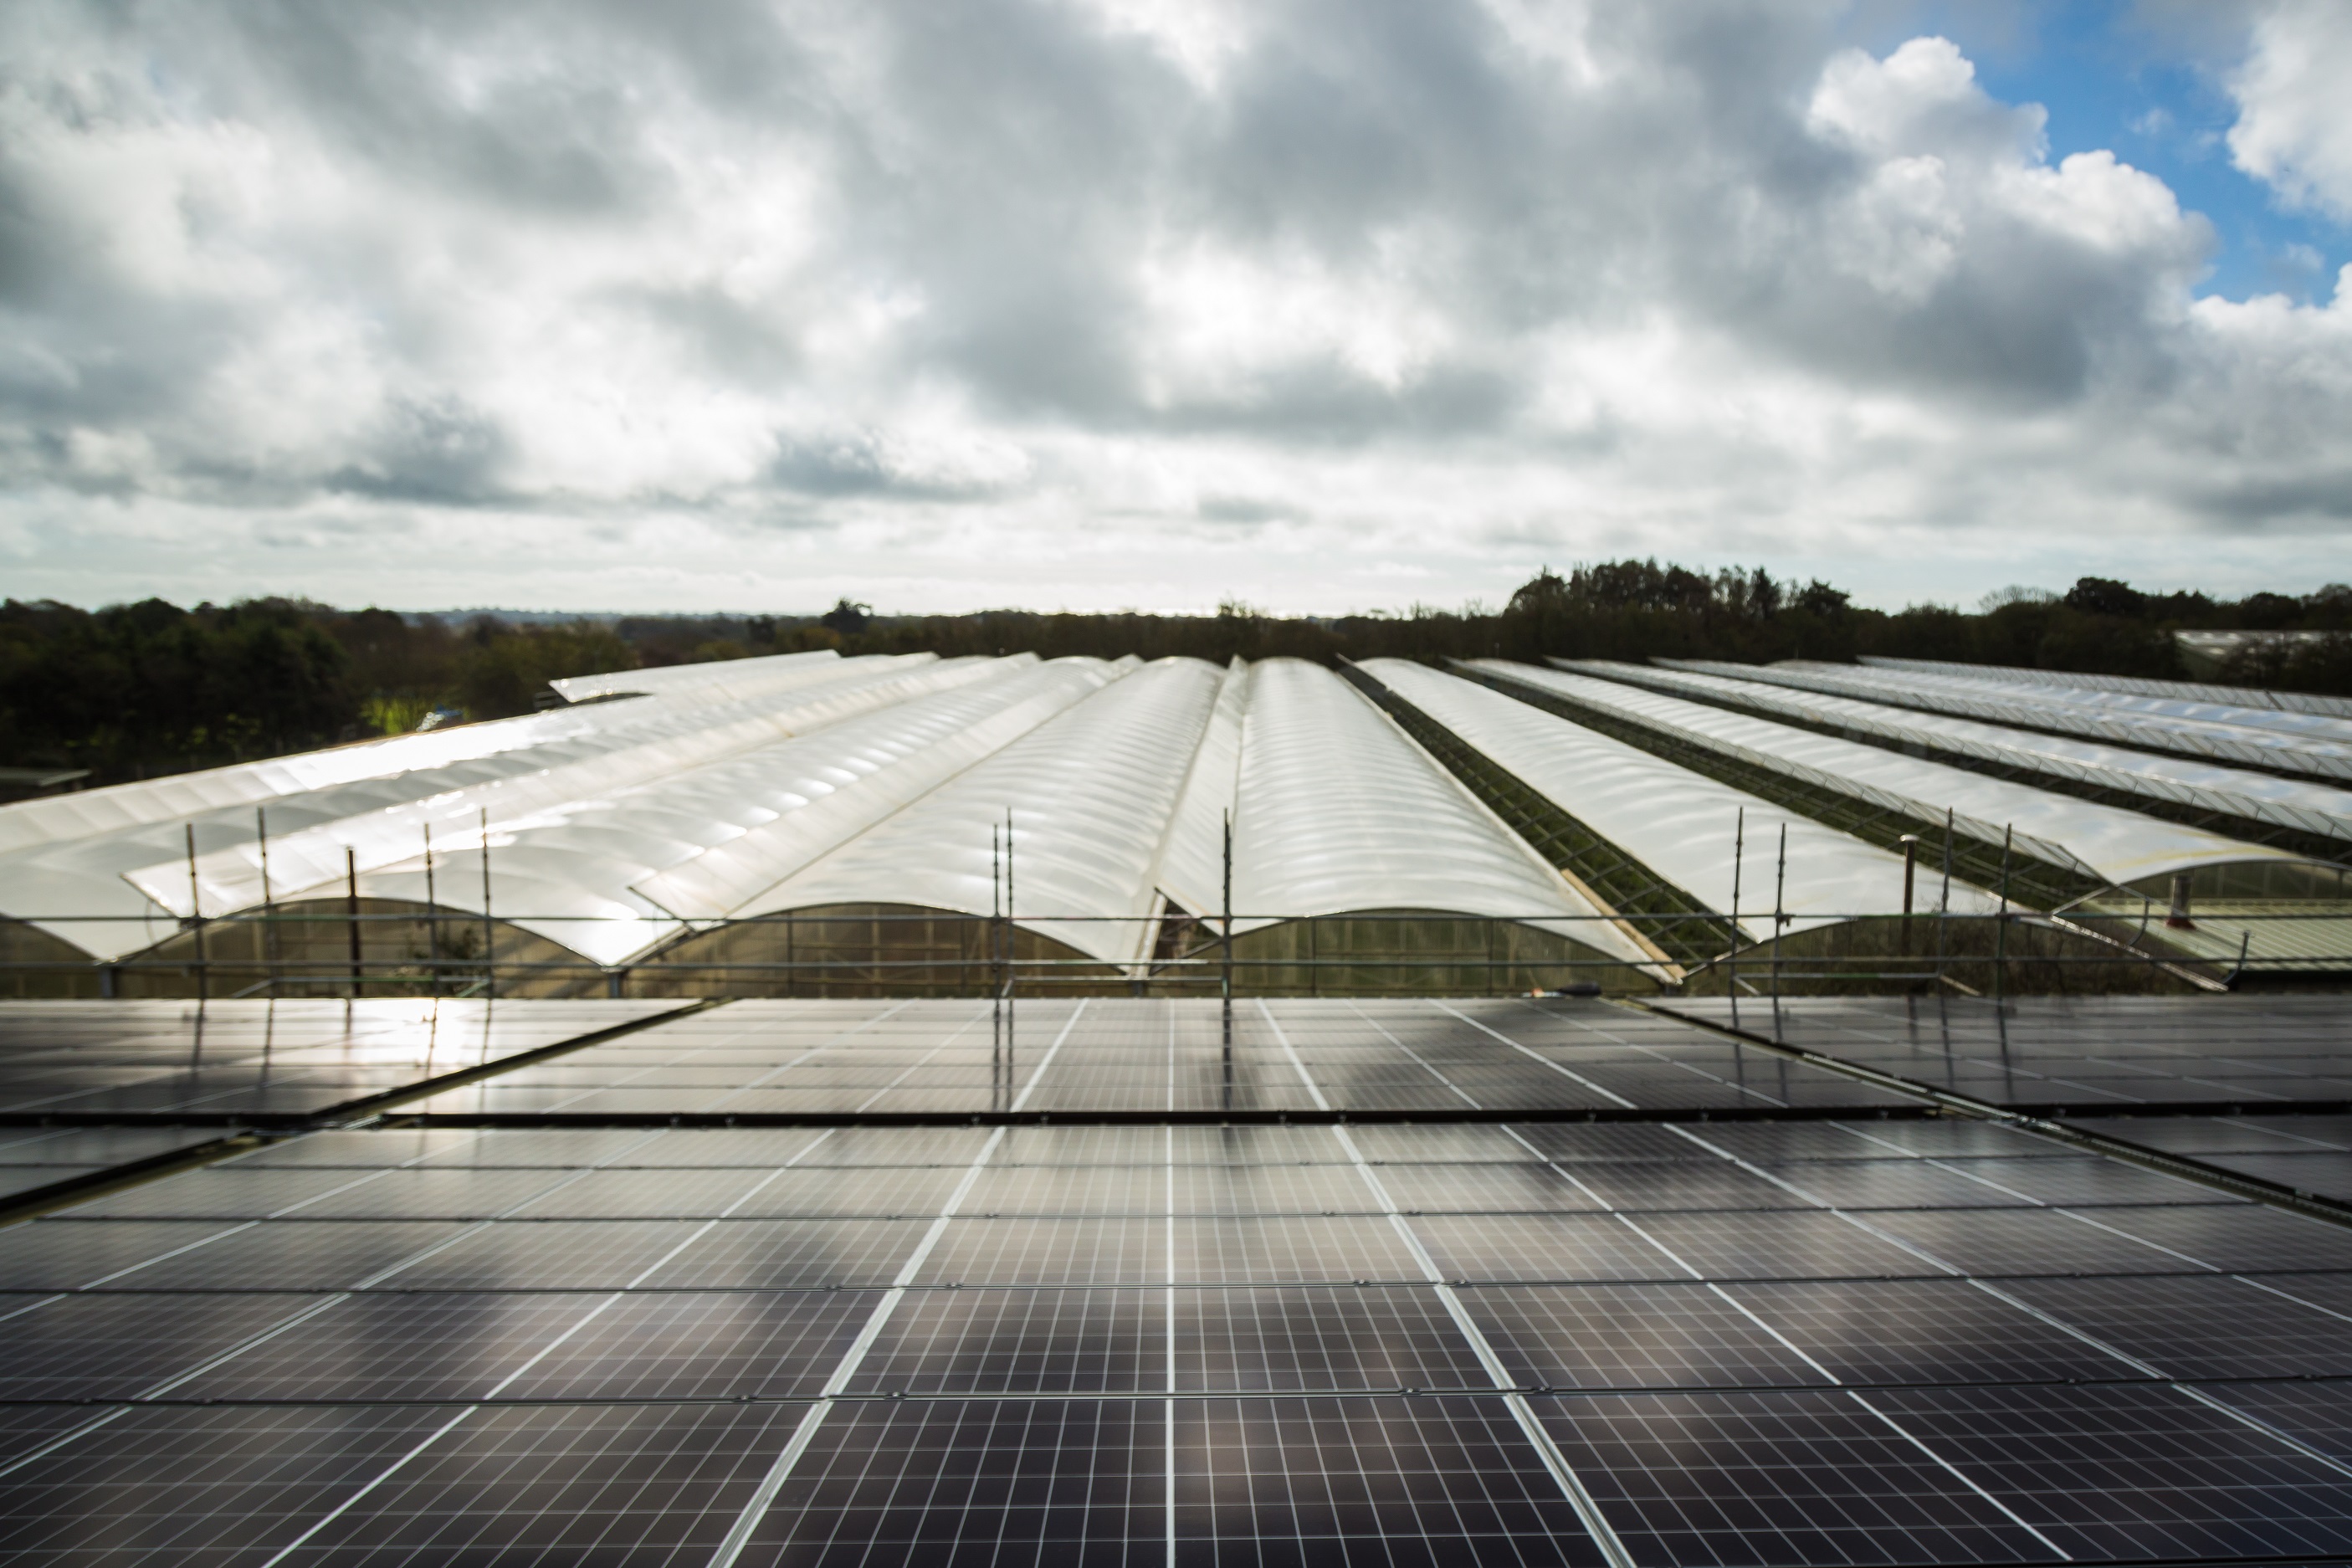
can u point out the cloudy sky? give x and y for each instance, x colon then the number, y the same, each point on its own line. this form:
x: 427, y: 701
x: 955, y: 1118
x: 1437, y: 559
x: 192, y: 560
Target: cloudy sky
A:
x: 1326, y: 304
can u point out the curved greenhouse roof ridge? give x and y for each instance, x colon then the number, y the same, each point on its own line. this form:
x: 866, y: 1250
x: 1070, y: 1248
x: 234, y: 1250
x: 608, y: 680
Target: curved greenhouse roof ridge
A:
x: 1339, y: 811
x: 570, y: 872
x: 1193, y: 864
x: 2260, y: 738
x: 665, y: 740
x: 863, y: 773
x: 1680, y: 824
x: 2123, y: 846
x: 1090, y: 793
x: 2293, y: 803
x: 54, y: 819
x: 2142, y: 686
x: 715, y: 681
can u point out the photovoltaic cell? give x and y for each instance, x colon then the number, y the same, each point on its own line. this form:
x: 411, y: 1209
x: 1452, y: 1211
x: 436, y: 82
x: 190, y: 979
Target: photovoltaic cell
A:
x: 1846, y: 1338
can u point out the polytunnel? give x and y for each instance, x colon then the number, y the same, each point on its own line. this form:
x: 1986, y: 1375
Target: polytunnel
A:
x: 2311, y: 745
x: 65, y: 861
x: 1722, y: 845
x: 1360, y: 864
x: 2310, y: 817
x: 2109, y: 861
x: 1057, y: 832
x: 2137, y: 684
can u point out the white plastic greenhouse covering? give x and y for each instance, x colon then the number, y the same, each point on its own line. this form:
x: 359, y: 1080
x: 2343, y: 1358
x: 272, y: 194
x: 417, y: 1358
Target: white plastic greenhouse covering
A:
x: 1193, y: 863
x: 663, y: 740
x: 1682, y: 825
x: 67, y: 873
x: 2289, y: 802
x: 57, y: 819
x: 719, y: 679
x: 1089, y: 794
x: 2123, y: 846
x: 2324, y: 733
x: 843, y: 781
x: 572, y: 873
x: 2257, y: 737
x: 2141, y: 686
x: 1336, y: 811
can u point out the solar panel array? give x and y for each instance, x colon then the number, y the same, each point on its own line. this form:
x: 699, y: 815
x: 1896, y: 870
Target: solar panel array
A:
x: 2086, y: 1056
x: 250, y: 1061
x: 1026, y: 1291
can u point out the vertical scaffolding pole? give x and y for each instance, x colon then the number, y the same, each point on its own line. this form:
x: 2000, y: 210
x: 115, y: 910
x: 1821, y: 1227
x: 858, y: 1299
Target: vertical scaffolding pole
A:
x: 269, y: 900
x: 1779, y: 884
x: 1012, y: 971
x: 2000, y: 930
x: 1944, y: 905
x: 432, y: 921
x: 1732, y: 960
x: 351, y: 908
x: 1225, y: 972
x: 1910, y: 842
x: 490, y: 962
x: 196, y: 920
x: 995, y: 962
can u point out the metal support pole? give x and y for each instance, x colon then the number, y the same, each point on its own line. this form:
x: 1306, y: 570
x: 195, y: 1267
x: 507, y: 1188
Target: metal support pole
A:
x: 489, y: 965
x: 1779, y: 884
x: 1910, y: 842
x: 1944, y: 905
x: 351, y: 907
x: 196, y: 920
x: 1732, y: 960
x: 995, y: 963
x: 2000, y: 930
x: 1012, y: 971
x: 432, y: 920
x: 1225, y: 976
x: 268, y: 903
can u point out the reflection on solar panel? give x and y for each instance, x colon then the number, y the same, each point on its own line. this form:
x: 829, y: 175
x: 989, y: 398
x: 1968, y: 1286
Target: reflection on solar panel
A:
x: 242, y: 1061
x: 1540, y: 1282
x: 2111, y: 1053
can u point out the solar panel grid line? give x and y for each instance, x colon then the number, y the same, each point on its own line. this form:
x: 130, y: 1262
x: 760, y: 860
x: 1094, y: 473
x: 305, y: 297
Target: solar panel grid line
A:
x: 611, y: 1300
x: 1416, y: 1057
x: 253, y: 1342
x: 1606, y: 1094
x: 2240, y: 1183
x: 739, y: 1534
x: 1573, y: 1488
x: 2095, y: 1342
x: 1743, y: 1308
x: 1167, y: 1306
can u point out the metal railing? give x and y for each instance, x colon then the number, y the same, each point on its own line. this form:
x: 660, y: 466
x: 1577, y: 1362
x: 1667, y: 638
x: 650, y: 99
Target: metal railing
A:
x: 298, y: 950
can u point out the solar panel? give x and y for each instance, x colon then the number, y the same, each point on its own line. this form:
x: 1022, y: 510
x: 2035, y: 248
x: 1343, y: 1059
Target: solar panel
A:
x: 1508, y: 1333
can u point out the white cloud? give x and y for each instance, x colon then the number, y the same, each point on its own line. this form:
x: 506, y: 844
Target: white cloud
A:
x: 2292, y: 129
x: 1133, y: 303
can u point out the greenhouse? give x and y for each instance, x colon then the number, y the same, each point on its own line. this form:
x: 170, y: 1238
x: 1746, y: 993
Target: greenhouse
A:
x: 812, y: 825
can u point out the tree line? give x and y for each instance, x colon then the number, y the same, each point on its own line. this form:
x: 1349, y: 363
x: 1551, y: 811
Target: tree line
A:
x: 136, y: 691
